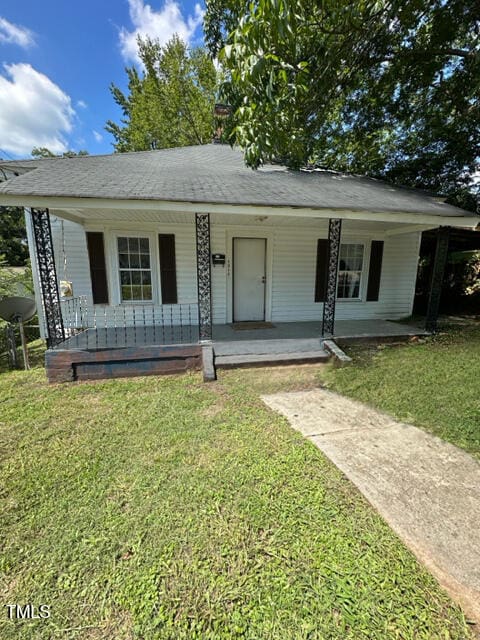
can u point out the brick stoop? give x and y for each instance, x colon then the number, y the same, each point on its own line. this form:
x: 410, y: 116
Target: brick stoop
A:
x: 76, y: 364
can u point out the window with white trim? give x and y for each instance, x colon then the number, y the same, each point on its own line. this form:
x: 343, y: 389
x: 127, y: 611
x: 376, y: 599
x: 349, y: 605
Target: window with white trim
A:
x: 135, y: 269
x: 350, y: 266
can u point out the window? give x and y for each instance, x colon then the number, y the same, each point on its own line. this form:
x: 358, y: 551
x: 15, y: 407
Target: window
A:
x: 135, y: 269
x: 350, y: 265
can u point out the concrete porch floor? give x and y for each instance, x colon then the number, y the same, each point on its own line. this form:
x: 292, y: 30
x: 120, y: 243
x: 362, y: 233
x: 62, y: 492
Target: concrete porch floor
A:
x: 287, y: 337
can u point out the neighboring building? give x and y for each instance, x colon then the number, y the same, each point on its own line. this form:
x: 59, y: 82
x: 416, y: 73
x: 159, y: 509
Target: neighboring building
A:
x: 151, y: 241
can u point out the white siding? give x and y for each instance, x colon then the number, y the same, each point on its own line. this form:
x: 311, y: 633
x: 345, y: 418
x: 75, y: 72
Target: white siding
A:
x: 219, y: 275
x: 294, y: 265
x: 69, y: 240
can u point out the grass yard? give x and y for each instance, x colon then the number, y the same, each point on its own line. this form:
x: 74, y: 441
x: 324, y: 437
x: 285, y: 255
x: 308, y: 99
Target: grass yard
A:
x: 434, y: 385
x: 164, y: 508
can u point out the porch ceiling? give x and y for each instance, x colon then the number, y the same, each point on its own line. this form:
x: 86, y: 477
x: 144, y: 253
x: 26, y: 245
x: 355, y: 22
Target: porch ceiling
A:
x: 264, y: 219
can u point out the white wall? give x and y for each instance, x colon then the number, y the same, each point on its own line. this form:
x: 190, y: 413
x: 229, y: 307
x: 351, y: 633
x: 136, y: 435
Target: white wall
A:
x: 291, y: 264
x: 294, y: 277
x: 69, y: 241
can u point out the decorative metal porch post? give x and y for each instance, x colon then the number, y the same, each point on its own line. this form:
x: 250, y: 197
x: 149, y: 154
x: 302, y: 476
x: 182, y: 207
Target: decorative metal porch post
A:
x: 439, y: 262
x: 334, y: 232
x: 204, y: 276
x: 47, y: 274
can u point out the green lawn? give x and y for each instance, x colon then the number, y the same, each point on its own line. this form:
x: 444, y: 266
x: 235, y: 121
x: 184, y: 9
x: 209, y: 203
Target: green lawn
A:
x: 434, y: 385
x: 165, y: 508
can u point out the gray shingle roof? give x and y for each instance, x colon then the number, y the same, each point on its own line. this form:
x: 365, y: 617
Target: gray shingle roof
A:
x: 212, y: 174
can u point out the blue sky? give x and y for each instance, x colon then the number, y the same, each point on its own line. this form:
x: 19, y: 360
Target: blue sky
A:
x: 58, y: 58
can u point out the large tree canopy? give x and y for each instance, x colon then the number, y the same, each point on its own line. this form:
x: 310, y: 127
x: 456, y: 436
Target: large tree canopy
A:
x: 171, y: 103
x: 387, y: 88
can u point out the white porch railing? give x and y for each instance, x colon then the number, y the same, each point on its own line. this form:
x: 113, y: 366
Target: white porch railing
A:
x: 97, y: 326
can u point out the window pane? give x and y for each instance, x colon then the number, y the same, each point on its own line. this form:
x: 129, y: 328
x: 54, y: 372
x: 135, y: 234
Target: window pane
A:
x: 122, y: 245
x: 126, y: 292
x: 133, y: 245
x: 123, y: 260
x: 134, y: 261
x: 145, y: 261
x: 136, y: 278
x: 137, y: 292
x: 125, y: 277
x: 146, y: 277
x: 147, y: 292
x: 144, y: 245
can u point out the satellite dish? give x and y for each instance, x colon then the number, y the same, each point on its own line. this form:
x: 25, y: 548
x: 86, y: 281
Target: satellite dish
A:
x: 17, y: 309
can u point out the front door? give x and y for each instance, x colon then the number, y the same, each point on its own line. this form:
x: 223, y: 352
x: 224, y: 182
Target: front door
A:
x: 249, y: 279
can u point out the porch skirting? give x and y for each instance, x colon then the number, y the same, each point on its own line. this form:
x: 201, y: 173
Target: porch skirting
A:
x: 76, y: 364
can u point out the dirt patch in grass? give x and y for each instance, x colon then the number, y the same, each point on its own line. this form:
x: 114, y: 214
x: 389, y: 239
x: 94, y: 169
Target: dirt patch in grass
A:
x: 274, y: 379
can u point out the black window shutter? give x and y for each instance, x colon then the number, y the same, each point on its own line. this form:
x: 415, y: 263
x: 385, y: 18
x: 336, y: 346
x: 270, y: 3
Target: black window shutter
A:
x: 322, y: 269
x: 168, y: 269
x: 375, y: 270
x: 98, y: 269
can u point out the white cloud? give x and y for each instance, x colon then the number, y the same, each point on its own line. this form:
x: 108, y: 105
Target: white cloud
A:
x: 13, y: 34
x: 82, y: 104
x: 34, y: 111
x: 161, y: 25
x: 98, y: 136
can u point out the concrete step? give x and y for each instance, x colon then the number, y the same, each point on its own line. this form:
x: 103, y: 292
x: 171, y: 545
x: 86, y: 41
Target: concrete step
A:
x: 284, y: 345
x: 233, y: 361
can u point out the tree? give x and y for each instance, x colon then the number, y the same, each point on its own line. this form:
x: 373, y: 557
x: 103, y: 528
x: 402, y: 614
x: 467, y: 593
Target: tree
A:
x: 13, y: 237
x: 390, y: 89
x: 170, y: 103
x: 43, y: 152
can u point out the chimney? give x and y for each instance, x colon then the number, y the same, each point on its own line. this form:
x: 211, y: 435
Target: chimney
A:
x: 221, y: 112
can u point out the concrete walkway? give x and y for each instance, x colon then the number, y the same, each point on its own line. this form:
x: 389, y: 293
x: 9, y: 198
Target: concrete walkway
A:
x: 426, y: 489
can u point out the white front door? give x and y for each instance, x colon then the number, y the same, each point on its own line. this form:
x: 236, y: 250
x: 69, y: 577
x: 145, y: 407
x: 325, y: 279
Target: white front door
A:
x: 249, y: 279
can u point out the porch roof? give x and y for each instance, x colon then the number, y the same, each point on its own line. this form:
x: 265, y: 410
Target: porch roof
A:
x: 213, y: 174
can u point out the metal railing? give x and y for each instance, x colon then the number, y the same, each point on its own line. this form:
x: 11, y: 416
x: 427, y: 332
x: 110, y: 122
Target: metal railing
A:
x: 91, y: 326
x: 74, y: 314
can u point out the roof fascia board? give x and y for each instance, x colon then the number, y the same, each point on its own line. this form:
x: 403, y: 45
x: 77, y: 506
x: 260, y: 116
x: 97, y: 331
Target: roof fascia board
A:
x: 62, y: 202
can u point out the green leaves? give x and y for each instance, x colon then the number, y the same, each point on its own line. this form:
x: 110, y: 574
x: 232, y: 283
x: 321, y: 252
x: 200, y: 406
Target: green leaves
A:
x: 13, y: 240
x: 171, y: 104
x: 390, y: 89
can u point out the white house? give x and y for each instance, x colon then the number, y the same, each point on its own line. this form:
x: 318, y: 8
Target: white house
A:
x: 163, y: 250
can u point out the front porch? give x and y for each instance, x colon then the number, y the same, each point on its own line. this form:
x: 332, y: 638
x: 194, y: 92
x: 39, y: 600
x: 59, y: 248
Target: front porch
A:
x: 104, y: 352
x: 126, y: 336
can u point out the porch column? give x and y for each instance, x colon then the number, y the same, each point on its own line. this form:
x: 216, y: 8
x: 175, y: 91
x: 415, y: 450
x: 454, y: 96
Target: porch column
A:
x: 334, y: 233
x: 47, y: 274
x: 439, y: 262
x: 204, y: 276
